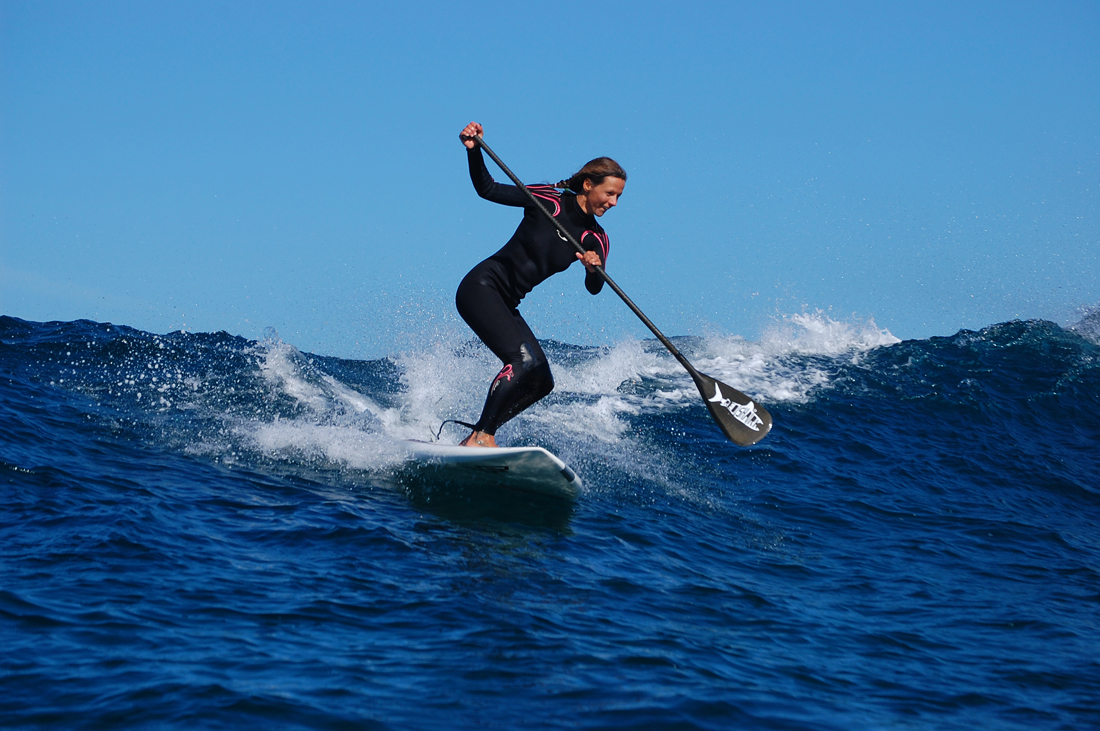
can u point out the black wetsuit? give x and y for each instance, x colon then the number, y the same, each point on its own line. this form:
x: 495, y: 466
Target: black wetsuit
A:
x: 489, y: 295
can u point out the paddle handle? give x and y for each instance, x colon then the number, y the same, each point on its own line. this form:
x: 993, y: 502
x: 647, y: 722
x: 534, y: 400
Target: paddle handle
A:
x: 569, y: 237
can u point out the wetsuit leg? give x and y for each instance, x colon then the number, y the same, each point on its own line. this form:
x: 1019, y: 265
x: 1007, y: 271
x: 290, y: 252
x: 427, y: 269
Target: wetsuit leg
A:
x: 525, y: 377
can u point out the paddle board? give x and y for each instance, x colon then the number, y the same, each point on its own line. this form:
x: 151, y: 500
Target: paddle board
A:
x: 529, y: 469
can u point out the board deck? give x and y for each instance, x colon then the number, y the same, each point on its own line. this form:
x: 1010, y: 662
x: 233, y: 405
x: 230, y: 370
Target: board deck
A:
x: 529, y: 469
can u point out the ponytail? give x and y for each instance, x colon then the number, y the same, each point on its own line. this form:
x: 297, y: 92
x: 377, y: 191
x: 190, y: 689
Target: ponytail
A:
x: 594, y: 170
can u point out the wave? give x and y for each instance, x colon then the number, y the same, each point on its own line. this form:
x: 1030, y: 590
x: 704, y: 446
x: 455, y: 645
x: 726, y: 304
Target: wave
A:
x: 237, y: 401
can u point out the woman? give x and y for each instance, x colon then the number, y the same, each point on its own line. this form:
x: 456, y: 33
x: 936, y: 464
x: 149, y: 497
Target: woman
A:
x: 489, y: 295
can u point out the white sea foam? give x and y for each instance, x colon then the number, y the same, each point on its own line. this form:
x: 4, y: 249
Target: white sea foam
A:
x: 797, y: 355
x: 599, y: 393
x: 344, y: 444
x: 444, y: 381
x: 818, y: 334
x: 626, y: 362
x: 284, y: 367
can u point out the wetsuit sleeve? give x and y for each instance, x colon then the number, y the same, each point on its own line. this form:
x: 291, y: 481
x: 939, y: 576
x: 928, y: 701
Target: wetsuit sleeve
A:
x: 593, y: 282
x: 489, y: 189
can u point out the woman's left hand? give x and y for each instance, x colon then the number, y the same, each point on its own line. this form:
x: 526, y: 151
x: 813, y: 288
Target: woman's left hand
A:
x: 590, y: 259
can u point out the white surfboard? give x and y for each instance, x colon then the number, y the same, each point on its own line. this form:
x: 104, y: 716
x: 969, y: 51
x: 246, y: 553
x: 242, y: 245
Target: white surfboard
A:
x: 529, y: 469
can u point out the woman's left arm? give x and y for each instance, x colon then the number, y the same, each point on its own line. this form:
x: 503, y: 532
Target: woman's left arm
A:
x: 593, y: 282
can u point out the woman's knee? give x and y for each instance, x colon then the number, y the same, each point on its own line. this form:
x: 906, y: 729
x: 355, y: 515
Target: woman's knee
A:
x: 542, y: 379
x: 548, y: 385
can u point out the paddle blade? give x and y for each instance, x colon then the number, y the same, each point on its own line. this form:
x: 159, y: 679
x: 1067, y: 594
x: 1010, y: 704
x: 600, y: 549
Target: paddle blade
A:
x: 743, y: 421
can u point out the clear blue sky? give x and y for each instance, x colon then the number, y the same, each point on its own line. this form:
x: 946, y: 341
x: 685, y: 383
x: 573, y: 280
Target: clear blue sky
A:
x: 238, y: 165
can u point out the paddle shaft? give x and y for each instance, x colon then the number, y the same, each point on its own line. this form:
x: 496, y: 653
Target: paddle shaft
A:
x: 569, y: 237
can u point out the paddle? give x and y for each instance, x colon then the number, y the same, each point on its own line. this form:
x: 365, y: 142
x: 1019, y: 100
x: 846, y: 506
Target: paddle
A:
x: 743, y: 421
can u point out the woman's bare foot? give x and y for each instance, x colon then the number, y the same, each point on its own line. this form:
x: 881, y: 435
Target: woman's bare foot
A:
x: 478, y: 439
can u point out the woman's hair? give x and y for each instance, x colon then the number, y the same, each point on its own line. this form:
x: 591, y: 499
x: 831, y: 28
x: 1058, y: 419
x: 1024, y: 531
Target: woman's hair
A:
x: 594, y: 170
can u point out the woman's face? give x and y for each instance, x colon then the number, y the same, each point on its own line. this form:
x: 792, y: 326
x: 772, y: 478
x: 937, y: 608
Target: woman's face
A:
x: 599, y: 199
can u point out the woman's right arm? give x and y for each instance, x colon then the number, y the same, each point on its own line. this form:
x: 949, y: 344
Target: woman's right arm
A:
x: 486, y: 187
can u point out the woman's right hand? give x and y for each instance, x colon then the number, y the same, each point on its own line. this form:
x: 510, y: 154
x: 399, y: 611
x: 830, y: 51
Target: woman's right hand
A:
x: 470, y: 131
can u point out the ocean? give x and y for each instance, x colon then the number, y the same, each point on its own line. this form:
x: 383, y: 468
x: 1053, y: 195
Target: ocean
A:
x: 204, y: 531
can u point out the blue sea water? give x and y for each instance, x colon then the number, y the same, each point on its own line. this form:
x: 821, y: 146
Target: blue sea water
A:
x: 202, y: 531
